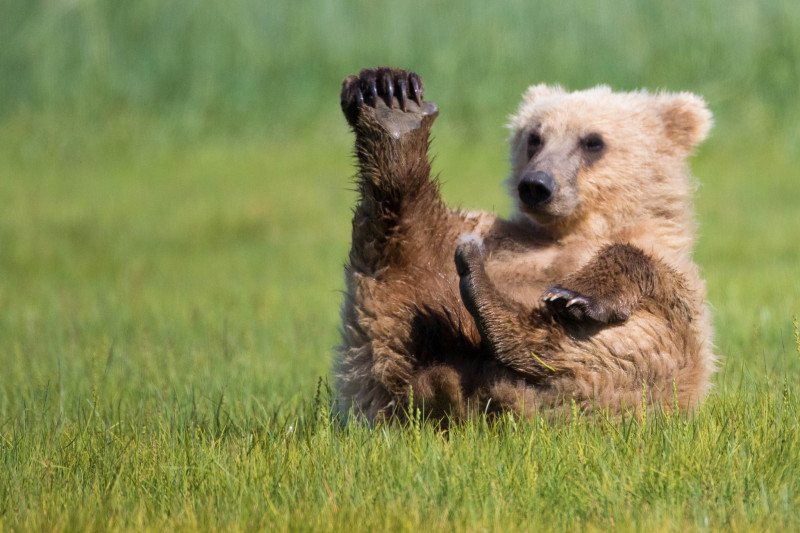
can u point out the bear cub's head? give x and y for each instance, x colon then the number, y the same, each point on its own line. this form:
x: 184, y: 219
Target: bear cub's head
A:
x: 602, y: 158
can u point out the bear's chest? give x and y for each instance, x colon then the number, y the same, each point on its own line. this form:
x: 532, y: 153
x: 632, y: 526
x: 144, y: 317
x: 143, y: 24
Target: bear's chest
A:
x: 523, y: 276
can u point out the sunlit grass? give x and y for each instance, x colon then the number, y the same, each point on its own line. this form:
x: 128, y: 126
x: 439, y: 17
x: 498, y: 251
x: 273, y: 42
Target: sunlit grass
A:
x: 175, y: 213
x: 168, y: 316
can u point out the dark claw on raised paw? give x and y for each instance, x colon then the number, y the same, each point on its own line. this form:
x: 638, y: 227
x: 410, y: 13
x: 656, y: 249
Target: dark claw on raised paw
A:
x: 416, y: 88
x: 373, y: 89
x: 386, y: 84
x: 402, y: 90
x: 367, y: 85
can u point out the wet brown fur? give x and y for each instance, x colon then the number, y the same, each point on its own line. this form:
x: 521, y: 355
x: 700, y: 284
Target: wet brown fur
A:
x: 475, y: 334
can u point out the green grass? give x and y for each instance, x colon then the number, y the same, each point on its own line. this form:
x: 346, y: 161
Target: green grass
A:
x: 174, y: 216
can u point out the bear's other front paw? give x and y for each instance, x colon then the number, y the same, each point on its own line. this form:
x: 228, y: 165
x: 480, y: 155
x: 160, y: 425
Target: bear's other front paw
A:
x: 390, y: 97
x: 469, y: 266
x: 576, y: 306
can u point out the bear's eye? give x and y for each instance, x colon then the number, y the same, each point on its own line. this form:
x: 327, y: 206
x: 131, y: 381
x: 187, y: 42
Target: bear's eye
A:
x: 593, y: 143
x: 534, y: 143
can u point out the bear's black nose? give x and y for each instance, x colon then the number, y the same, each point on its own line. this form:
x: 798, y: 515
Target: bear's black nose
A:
x: 536, y: 188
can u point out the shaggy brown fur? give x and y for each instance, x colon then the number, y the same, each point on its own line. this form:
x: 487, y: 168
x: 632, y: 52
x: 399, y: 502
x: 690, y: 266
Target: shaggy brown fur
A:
x: 589, y: 295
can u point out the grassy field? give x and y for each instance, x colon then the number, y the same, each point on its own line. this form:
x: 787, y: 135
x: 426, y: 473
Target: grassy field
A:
x: 174, y: 216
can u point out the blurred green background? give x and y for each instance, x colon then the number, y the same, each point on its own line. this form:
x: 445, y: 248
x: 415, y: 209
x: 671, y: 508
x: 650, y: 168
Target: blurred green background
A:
x: 275, y: 66
x: 175, y: 202
x: 174, y: 176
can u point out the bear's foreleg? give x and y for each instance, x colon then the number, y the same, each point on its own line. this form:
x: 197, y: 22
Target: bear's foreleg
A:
x: 397, y: 196
x: 508, y: 331
x: 402, y: 315
x: 615, y: 283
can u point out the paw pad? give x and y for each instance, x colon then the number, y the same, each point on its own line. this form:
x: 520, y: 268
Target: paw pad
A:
x: 392, y: 93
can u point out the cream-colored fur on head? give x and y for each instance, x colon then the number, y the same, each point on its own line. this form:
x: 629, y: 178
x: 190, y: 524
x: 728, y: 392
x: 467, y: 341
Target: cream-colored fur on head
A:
x: 685, y: 115
x: 640, y: 175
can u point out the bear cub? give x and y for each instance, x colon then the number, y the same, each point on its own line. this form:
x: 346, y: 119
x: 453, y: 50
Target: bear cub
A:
x: 587, y: 296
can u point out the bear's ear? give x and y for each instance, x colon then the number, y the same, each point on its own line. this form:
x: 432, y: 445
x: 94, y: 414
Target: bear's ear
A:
x: 686, y: 118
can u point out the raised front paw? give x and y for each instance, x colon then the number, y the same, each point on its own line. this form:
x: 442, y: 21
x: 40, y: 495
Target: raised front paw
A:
x: 580, y: 307
x: 390, y: 98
